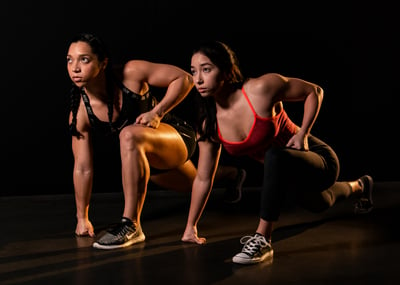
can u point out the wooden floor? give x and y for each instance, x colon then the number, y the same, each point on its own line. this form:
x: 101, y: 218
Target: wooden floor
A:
x: 38, y: 245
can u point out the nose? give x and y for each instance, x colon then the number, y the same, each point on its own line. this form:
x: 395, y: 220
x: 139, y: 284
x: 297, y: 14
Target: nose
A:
x: 199, y: 79
x: 76, y: 68
x: 74, y: 65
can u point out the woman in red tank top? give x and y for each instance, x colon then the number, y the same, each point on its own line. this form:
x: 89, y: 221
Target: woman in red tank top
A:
x: 247, y: 117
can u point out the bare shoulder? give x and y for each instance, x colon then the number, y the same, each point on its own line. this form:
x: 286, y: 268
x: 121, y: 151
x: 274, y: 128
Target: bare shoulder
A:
x: 135, y: 74
x: 266, y: 83
x: 82, y: 119
x: 143, y: 69
x: 272, y: 78
x: 135, y: 66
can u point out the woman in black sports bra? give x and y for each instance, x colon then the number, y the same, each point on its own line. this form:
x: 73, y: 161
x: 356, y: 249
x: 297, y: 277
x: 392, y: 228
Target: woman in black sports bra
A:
x: 107, y: 102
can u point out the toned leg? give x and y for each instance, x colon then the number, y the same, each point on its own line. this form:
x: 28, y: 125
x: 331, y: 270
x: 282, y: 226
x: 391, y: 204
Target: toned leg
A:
x: 162, y: 148
x: 340, y: 190
x: 320, y: 201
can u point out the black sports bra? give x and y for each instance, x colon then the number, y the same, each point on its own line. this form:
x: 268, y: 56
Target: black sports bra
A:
x: 133, y: 105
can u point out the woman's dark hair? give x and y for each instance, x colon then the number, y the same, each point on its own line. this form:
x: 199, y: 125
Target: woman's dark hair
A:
x: 225, y: 59
x: 100, y: 49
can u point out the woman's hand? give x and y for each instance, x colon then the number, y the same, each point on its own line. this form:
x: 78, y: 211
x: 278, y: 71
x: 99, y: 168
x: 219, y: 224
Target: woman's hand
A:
x: 149, y: 119
x: 84, y: 228
x: 298, y: 141
x: 190, y: 235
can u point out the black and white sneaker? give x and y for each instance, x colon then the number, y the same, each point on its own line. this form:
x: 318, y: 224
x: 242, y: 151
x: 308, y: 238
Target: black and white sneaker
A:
x: 256, y: 249
x: 365, y: 204
x: 122, y: 235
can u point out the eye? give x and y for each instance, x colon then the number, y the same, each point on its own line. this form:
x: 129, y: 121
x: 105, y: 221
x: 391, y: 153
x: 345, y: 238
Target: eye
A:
x: 85, y: 59
x: 193, y: 72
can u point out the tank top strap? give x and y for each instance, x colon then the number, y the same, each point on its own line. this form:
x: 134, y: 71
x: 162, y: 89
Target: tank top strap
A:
x: 248, y: 101
x: 88, y: 107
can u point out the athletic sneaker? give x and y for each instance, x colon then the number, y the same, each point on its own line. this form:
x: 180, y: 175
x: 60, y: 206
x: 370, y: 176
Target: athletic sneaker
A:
x: 122, y: 235
x: 256, y: 249
x: 233, y: 192
x: 365, y: 204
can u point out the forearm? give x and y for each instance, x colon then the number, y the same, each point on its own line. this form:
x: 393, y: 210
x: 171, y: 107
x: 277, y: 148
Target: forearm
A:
x: 200, y: 194
x: 176, y: 92
x: 312, y: 106
x: 83, y: 189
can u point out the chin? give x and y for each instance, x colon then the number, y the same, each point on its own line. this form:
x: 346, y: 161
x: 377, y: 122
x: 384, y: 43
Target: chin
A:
x: 79, y: 84
x: 205, y: 94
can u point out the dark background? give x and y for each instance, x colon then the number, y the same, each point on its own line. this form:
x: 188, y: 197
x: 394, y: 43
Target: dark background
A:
x: 350, y: 50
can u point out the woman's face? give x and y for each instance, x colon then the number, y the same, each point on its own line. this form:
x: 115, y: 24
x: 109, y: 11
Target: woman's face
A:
x: 207, y: 76
x: 82, y: 64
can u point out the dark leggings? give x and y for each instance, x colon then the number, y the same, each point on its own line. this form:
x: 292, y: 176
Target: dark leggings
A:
x: 309, y: 177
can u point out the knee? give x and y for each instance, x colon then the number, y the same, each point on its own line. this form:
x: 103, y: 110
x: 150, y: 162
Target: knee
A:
x: 131, y: 137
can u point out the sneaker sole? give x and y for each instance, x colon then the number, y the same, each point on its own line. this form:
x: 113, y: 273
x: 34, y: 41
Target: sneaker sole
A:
x: 365, y: 209
x: 138, y: 239
x: 240, y: 260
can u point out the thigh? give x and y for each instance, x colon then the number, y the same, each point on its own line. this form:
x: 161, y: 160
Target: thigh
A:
x: 314, y: 170
x: 163, y: 147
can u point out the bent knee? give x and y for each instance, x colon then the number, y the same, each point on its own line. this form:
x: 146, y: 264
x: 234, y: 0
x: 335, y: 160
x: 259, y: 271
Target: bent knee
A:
x: 132, y: 136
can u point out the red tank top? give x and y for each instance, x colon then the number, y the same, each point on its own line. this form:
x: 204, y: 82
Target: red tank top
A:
x: 264, y: 133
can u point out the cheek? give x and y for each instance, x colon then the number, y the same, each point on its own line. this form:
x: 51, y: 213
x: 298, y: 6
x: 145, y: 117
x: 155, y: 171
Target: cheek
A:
x: 90, y: 72
x: 69, y: 69
x: 211, y: 79
x: 217, y: 81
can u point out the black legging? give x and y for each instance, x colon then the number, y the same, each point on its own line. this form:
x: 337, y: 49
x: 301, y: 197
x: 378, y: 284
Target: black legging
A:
x: 310, y: 177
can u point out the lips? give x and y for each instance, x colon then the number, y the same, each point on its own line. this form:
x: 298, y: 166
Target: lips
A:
x: 77, y: 79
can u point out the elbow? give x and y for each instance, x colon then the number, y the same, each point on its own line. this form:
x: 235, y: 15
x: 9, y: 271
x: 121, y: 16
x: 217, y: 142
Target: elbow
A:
x: 187, y: 84
x: 184, y: 80
x: 189, y: 81
x: 320, y: 93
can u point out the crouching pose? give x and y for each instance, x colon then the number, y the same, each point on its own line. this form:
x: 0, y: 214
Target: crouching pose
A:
x: 154, y: 144
x: 247, y: 117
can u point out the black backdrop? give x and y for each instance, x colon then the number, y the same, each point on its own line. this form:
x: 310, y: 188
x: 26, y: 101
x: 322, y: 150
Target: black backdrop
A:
x: 353, y: 56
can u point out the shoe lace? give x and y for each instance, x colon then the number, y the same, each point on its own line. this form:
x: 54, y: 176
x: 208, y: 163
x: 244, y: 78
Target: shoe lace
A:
x: 252, y: 244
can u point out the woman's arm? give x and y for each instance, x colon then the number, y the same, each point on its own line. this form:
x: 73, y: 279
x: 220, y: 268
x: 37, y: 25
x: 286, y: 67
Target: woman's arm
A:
x: 82, y: 176
x: 209, y: 154
x: 138, y: 74
x: 281, y: 88
x: 312, y: 95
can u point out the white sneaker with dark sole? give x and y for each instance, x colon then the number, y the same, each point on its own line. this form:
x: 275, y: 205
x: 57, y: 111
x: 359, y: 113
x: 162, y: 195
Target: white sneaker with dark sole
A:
x: 256, y: 249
